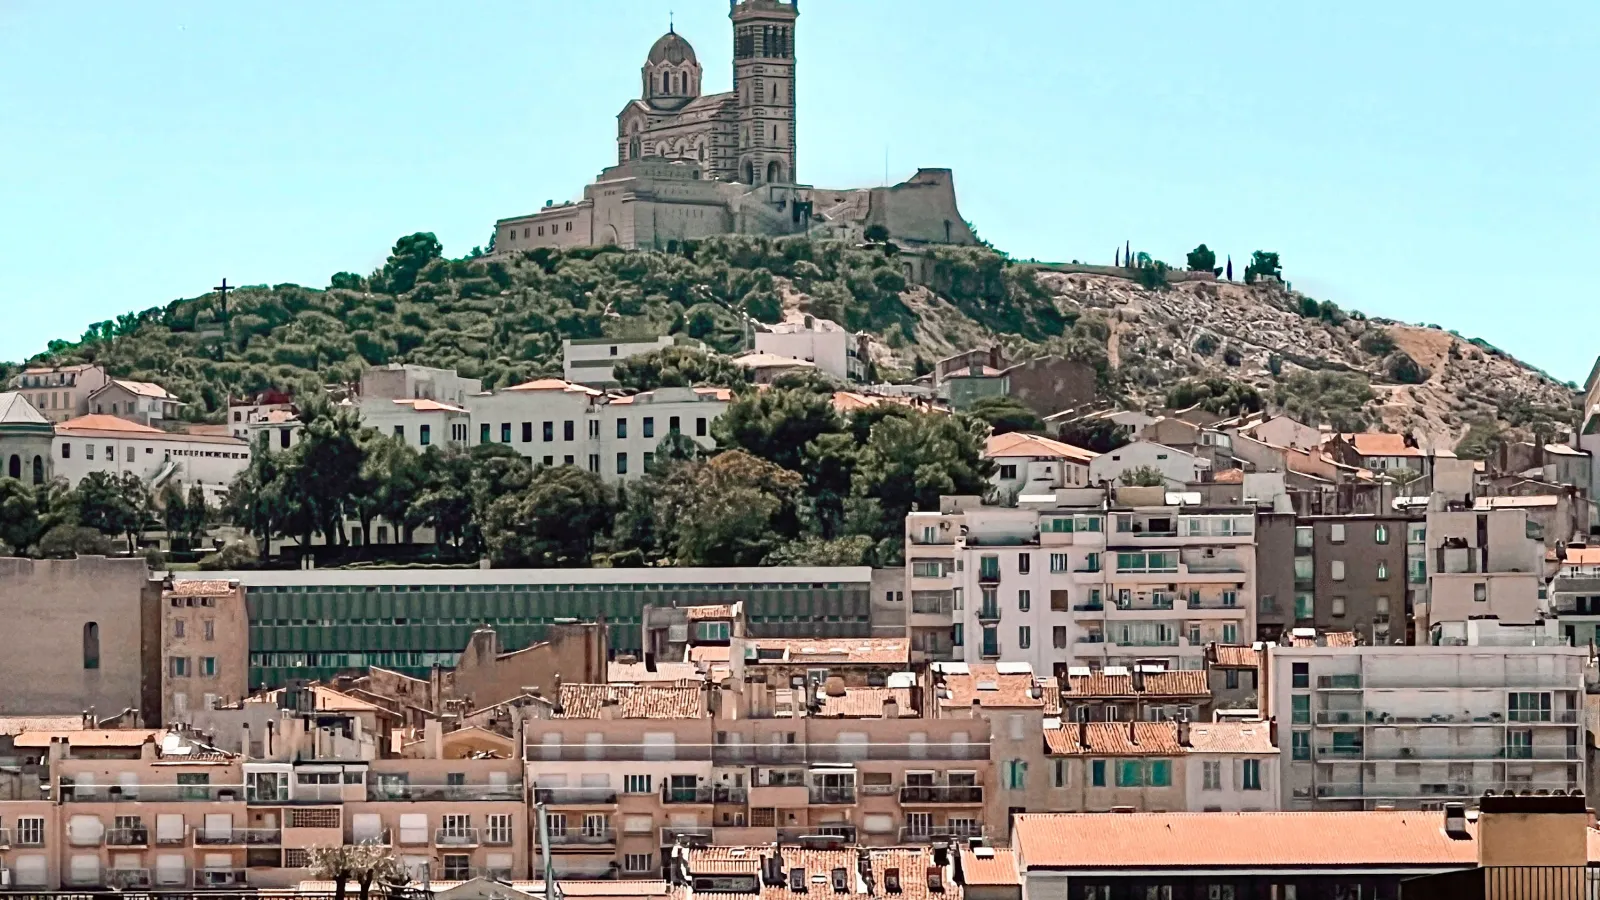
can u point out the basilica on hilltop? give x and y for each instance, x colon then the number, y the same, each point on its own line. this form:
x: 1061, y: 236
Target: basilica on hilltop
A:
x: 692, y: 165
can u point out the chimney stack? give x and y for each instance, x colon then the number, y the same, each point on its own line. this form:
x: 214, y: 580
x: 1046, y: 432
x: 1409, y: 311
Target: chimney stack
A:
x: 891, y: 707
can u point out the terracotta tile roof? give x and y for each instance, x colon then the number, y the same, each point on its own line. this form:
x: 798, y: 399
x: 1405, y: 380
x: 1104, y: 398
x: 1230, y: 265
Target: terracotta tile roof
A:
x: 199, y: 588
x: 422, y: 405
x: 111, y: 426
x: 994, y: 689
x: 19, y: 724
x: 1230, y: 737
x: 636, y: 673
x: 1186, y: 683
x: 716, y: 611
x: 1215, y: 840
x: 708, y: 654
x: 1582, y: 556
x: 1330, y: 639
x: 1235, y: 657
x: 569, y: 886
x: 1114, y: 739
x: 866, y: 703
x: 554, y: 384
x: 143, y: 389
x: 106, y: 423
x: 1229, y: 476
x: 912, y: 864
x: 644, y: 701
x: 998, y: 867
x: 1018, y: 444
x: 1377, y: 443
x: 885, y: 651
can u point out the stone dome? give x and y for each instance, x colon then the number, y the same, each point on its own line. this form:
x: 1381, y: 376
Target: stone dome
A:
x: 671, y: 48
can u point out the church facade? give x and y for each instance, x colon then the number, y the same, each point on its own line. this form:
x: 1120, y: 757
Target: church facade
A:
x: 692, y: 165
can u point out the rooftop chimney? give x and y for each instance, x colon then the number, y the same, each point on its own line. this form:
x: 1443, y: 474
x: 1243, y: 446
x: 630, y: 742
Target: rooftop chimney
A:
x: 1455, y: 822
x: 1183, y: 728
x: 891, y: 707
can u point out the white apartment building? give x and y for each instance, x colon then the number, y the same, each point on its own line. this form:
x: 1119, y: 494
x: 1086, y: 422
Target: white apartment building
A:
x: 1179, y: 467
x: 1229, y: 766
x: 590, y: 360
x: 1491, y: 708
x: 1481, y: 563
x: 830, y: 346
x: 114, y: 445
x: 554, y: 422
x: 400, y: 381
x: 419, y: 423
x: 1085, y: 577
x: 1030, y: 464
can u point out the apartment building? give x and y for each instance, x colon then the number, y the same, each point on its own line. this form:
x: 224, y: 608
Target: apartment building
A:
x: 314, y: 624
x: 590, y: 361
x: 1349, y: 574
x: 61, y: 392
x: 1178, y: 467
x: 136, y: 401
x: 1488, y: 708
x: 1143, y: 693
x: 1574, y: 595
x: 1086, y: 577
x: 1481, y: 563
x: 1229, y: 766
x: 829, y: 346
x: 1233, y: 676
x: 1030, y: 464
x: 1116, y: 766
x: 116, y: 446
x: 795, y: 873
x: 205, y: 647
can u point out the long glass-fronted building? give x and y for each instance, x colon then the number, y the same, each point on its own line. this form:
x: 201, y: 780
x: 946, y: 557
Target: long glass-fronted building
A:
x: 316, y: 623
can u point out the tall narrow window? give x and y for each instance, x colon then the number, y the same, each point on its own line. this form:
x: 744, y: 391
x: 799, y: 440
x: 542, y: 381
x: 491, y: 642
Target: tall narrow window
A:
x: 91, y: 645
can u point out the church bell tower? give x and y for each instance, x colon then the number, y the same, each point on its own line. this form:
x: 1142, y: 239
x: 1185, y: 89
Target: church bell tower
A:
x: 763, y: 83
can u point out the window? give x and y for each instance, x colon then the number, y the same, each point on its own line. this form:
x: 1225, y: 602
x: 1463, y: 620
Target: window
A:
x: 178, y: 628
x: 1024, y: 563
x: 638, y: 862
x: 483, y: 433
x: 1060, y: 773
x: 549, y: 460
x: 636, y: 784
x: 1024, y: 637
x: 1301, y: 704
x: 1230, y: 633
x: 66, y: 451
x: 1024, y: 601
x: 700, y: 427
x: 1250, y: 779
x: 208, y: 629
x: 1058, y: 637
x: 91, y: 645
x: 1302, y: 537
x: 1480, y: 592
x: 1380, y: 534
x: 1383, y: 570
x: 1230, y: 679
x: 1130, y: 773
x: 1301, y: 742
x: 400, y: 432
x: 649, y: 427
x: 457, y: 866
x: 1336, y: 570
x: 505, y: 432
x: 1161, y: 773
x: 622, y: 428
x: 956, y: 635
x: 594, y: 463
x: 30, y: 831
x: 672, y: 425
x: 566, y: 430
x: 425, y: 435
x: 549, y: 432
x: 1338, y: 607
x: 208, y: 665
x: 527, y: 432
x: 1058, y: 562
x: 1301, y: 673
x: 1336, y: 532
x: 1528, y: 706
x: 1008, y: 473
x: 1097, y: 772
x: 622, y: 463
x: 499, y: 829
x: 1016, y: 774
x: 1303, y: 605
x: 1211, y: 771
x: 178, y: 666
x: 130, y: 454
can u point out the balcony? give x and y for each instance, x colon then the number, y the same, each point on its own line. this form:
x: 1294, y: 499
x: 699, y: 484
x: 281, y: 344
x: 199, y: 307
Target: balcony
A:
x: 219, y: 878
x: 832, y: 796
x: 988, y: 576
x: 1367, y: 716
x: 1416, y: 790
x: 294, y: 794
x: 575, y: 796
x: 762, y: 754
x: 128, y: 879
x: 699, y: 795
x: 1338, y: 682
x: 1088, y: 607
x: 818, y: 833
x: 693, y: 834
x: 446, y: 793
x: 456, y: 837
x: 177, y: 838
x: 128, y: 837
x: 877, y: 790
x: 989, y: 651
x: 237, y: 837
x: 380, y: 838
x: 497, y: 837
x: 584, y: 837
x: 941, y: 834
x: 149, y: 793
x: 942, y: 794
x: 989, y: 612
x: 1558, y: 753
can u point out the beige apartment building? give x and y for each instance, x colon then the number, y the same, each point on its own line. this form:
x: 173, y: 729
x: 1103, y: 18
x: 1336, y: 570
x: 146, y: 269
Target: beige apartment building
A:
x: 205, y: 647
x: 61, y: 392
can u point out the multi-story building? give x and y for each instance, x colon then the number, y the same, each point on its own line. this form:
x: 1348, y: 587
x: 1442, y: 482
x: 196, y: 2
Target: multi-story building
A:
x: 829, y: 346
x: 1030, y: 464
x: 315, y: 624
x: 590, y: 361
x: 1350, y: 576
x: 1574, y: 595
x: 205, y: 647
x: 1123, y: 694
x: 136, y: 401
x: 1116, y: 766
x: 117, y: 446
x: 1492, y: 708
x: 61, y: 392
x: 828, y: 868
x: 1233, y: 675
x: 1481, y: 563
x: 26, y: 440
x: 1089, y: 577
x: 1177, y: 467
x: 1229, y: 766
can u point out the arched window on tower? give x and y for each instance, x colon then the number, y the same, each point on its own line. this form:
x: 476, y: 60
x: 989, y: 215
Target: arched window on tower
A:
x: 38, y: 470
x: 91, y: 645
x: 666, y: 82
x: 774, y: 172
x: 14, y: 469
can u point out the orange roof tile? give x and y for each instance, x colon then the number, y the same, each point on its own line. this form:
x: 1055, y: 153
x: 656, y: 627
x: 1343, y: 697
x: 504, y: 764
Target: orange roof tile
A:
x: 643, y: 701
x: 143, y: 389
x: 1582, y: 556
x: 866, y: 703
x: 911, y: 863
x: 111, y: 426
x: 19, y: 724
x: 997, y: 867
x: 1018, y: 444
x: 1231, y: 737
x: 1229, y: 476
x: 993, y: 689
x: 1378, y: 443
x: 1329, y: 639
x: 1185, y: 683
x: 1115, y: 739
x: 1235, y: 657
x: 636, y: 673
x: 200, y: 588
x: 1215, y: 840
x: 424, y: 405
x: 554, y: 384
x: 106, y: 423
x: 886, y: 651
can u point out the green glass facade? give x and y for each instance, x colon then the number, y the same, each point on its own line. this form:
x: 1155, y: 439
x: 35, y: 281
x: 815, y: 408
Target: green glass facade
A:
x: 317, y: 631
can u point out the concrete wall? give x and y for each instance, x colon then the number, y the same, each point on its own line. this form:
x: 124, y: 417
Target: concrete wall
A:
x: 1275, y: 574
x: 1363, y: 559
x: 574, y: 654
x: 42, y: 660
x: 1051, y: 384
x: 1179, y: 467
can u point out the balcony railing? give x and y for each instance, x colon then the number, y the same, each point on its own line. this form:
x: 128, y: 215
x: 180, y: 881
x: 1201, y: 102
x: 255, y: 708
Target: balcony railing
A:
x: 173, y: 838
x: 128, y: 879
x: 447, y: 793
x: 877, y: 790
x: 1338, y: 682
x: 456, y: 837
x: 818, y: 833
x: 497, y: 837
x: 96, y: 878
x: 989, y: 613
x: 990, y: 651
x: 128, y: 837
x: 988, y: 576
x: 1415, y: 790
x: 149, y: 793
x: 941, y: 793
x: 584, y: 837
x: 381, y: 838
x: 575, y: 796
x: 940, y: 834
x: 691, y: 795
x: 759, y: 754
x: 1368, y: 716
x: 219, y: 877
x: 5, y: 838
x: 832, y: 795
x: 1559, y: 753
x: 691, y: 833
x: 238, y: 837
x: 1088, y: 607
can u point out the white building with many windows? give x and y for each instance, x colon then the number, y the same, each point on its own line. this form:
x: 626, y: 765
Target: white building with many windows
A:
x: 1493, y: 708
x: 1083, y: 577
x: 114, y: 445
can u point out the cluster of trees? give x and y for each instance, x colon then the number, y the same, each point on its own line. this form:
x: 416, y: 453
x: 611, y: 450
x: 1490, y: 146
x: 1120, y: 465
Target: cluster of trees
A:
x: 1223, y: 396
x: 792, y: 482
x: 55, y: 522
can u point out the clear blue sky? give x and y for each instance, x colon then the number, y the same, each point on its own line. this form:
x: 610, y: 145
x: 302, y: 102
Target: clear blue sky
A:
x: 1426, y: 161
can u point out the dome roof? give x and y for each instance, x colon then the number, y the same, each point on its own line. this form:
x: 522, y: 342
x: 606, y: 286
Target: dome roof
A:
x: 672, y: 48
